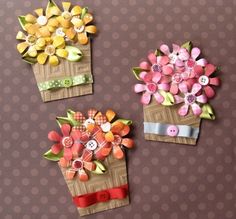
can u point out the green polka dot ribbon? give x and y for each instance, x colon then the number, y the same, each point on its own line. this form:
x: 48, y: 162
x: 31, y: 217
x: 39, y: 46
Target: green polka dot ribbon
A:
x: 66, y: 82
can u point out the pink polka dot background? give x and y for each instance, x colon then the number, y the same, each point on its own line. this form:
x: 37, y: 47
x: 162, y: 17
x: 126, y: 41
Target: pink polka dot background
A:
x: 167, y: 181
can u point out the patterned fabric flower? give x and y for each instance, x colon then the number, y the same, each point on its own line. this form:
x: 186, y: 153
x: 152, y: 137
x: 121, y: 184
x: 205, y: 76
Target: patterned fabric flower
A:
x: 193, y: 67
x: 190, y: 99
x: 206, y: 80
x: 79, y: 166
x: 151, y: 87
x: 69, y: 142
x: 43, y: 24
x: 178, y: 56
x: 52, y: 51
x: 31, y: 44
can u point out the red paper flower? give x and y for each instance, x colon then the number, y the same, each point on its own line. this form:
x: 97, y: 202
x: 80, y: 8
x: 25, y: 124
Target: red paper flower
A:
x: 69, y: 142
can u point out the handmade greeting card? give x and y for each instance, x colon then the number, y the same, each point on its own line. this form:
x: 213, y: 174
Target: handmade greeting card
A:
x: 56, y: 42
x: 177, y: 85
x: 90, y: 151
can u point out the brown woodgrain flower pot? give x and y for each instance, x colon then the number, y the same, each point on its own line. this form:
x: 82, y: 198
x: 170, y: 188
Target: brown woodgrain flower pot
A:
x: 115, y: 176
x: 64, y: 70
x: 168, y: 115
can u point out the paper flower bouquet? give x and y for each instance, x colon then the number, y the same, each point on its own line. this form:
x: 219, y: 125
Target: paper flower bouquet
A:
x: 56, y: 42
x: 89, y: 150
x: 176, y: 87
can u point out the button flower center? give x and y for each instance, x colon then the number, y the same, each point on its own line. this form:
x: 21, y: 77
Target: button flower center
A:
x: 77, y: 164
x: 190, y: 99
x: 50, y: 50
x: 156, y: 68
x: 152, y: 87
x: 42, y: 20
x: 31, y: 40
x: 67, y: 142
x: 203, y: 80
x: 177, y: 78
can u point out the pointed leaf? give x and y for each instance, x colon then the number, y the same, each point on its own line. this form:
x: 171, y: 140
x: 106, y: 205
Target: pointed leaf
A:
x: 100, y: 168
x: 169, y: 99
x: 158, y: 52
x: 53, y: 157
x: 188, y: 45
x: 22, y: 22
x: 207, y: 112
x: 136, y: 72
x: 29, y: 60
x: 125, y: 121
x: 84, y: 12
x: 63, y: 120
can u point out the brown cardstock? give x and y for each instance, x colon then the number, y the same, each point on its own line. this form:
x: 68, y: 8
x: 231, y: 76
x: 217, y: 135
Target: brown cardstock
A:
x: 65, y: 69
x: 155, y: 112
x: 115, y: 176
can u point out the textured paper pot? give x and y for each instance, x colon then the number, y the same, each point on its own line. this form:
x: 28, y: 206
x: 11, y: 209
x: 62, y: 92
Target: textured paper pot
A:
x: 63, y: 71
x: 116, y: 176
x: 168, y: 115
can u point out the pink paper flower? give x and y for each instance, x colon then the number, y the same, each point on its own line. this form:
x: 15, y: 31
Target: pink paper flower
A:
x: 79, y: 166
x: 190, y: 99
x: 177, y: 56
x: 151, y: 87
x: 179, y: 78
x: 69, y: 141
x: 194, y: 67
x: 158, y: 64
x: 206, y: 80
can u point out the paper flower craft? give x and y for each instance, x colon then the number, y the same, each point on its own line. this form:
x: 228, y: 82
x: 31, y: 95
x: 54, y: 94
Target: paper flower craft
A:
x: 89, y: 150
x: 176, y: 87
x: 54, y: 40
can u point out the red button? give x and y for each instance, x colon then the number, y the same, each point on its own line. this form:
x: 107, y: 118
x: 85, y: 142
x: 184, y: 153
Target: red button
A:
x: 103, y: 196
x: 172, y: 130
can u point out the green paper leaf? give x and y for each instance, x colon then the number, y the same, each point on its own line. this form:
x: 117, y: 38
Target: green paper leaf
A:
x: 84, y: 12
x: 29, y: 60
x: 63, y: 120
x: 158, y: 52
x: 53, y: 157
x: 169, y: 98
x: 136, y: 72
x: 100, y: 168
x: 70, y: 114
x: 125, y: 121
x: 50, y: 6
x: 188, y: 45
x: 22, y: 22
x: 207, y: 112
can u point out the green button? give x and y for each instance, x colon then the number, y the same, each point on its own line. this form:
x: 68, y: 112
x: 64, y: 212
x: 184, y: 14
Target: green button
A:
x: 67, y: 82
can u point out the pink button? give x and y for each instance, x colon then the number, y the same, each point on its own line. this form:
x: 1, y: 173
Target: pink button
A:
x: 172, y: 130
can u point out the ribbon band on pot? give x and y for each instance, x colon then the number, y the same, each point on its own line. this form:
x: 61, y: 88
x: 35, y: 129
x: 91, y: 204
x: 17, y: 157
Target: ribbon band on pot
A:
x: 89, y: 199
x: 171, y: 130
x: 66, y: 82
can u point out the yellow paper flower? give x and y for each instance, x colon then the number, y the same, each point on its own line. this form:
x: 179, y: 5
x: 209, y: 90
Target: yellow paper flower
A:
x: 53, y: 50
x: 44, y: 23
x: 30, y: 45
x: 73, y: 23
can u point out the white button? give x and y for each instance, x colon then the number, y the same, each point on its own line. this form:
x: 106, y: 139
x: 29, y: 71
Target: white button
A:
x: 173, y: 58
x: 88, y: 121
x: 79, y: 29
x: 42, y: 20
x: 91, y: 145
x: 203, y: 80
x: 60, y: 32
x: 106, y: 127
